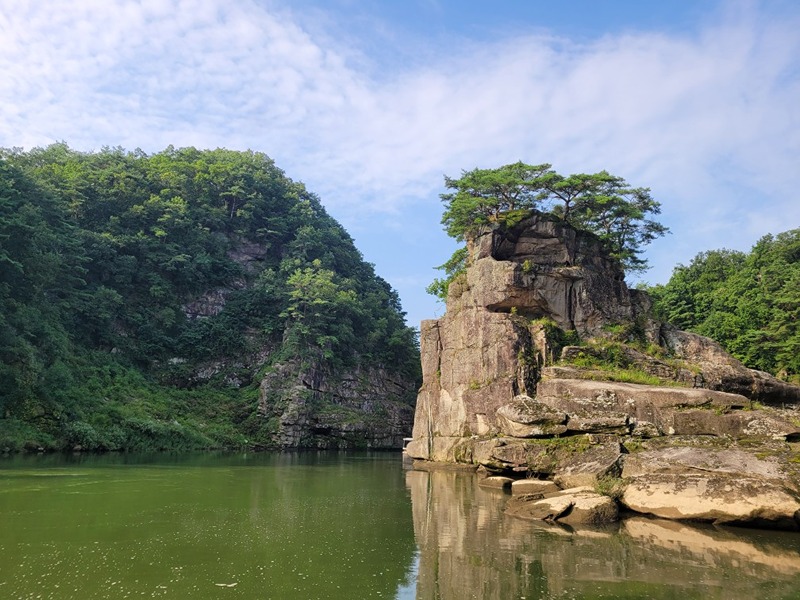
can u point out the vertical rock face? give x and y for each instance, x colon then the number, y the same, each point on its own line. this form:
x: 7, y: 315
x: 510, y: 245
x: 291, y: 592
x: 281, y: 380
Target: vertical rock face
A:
x: 306, y: 406
x: 489, y: 348
x: 310, y: 408
x: 544, y: 268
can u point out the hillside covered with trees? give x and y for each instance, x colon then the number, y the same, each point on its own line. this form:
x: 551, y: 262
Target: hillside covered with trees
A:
x: 749, y: 302
x: 145, y: 298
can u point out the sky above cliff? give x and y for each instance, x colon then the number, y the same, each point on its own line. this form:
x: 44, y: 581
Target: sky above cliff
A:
x: 371, y: 103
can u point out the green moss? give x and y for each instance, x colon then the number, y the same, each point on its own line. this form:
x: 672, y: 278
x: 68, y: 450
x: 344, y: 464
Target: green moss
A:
x: 627, y: 376
x: 610, y: 486
x: 633, y: 445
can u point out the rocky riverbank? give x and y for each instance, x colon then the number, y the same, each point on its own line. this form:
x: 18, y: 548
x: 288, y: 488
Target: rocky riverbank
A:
x: 546, y: 367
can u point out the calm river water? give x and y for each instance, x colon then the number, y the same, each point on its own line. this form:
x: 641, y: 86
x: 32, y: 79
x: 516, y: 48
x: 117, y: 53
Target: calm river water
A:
x: 340, y: 525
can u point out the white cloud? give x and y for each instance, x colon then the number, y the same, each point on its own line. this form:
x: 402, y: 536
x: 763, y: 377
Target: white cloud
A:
x: 709, y: 119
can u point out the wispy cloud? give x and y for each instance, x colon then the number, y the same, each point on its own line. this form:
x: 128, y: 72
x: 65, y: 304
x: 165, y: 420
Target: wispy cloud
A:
x: 708, y: 119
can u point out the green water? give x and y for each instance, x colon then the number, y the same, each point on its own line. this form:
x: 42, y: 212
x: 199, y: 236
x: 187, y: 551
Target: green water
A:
x: 276, y: 526
x: 340, y: 525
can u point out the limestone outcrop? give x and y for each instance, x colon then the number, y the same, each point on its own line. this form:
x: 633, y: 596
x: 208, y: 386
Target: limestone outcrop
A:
x: 547, y: 365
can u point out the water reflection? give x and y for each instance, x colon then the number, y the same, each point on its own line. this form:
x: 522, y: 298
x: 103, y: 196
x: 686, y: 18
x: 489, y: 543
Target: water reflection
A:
x: 469, y: 549
x: 340, y: 525
x: 282, y: 526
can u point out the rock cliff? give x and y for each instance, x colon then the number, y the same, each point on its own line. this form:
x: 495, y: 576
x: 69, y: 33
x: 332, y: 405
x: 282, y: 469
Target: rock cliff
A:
x: 311, y: 408
x: 303, y: 403
x: 546, y: 365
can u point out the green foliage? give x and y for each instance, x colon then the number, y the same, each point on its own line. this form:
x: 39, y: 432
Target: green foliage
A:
x: 557, y: 338
x: 453, y: 268
x: 600, y: 203
x: 605, y: 359
x: 484, y: 196
x: 611, y: 486
x: 608, y: 207
x: 109, y: 252
x: 631, y: 375
x: 749, y: 302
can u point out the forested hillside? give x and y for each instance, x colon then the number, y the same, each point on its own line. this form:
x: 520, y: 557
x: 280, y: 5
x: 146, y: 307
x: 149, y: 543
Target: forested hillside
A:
x: 145, y: 299
x: 749, y: 302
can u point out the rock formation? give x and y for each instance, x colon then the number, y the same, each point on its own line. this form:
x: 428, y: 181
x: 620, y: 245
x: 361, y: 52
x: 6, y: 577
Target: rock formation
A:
x: 302, y: 404
x: 359, y: 408
x: 518, y: 378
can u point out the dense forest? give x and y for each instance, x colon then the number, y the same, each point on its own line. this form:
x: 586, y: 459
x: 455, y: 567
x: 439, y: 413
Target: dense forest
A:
x: 749, y: 302
x: 143, y: 297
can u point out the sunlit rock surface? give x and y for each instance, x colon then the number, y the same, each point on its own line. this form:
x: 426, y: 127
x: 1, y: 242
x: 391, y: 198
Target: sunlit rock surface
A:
x: 493, y: 394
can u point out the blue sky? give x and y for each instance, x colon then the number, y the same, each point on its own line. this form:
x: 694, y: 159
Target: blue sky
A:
x: 371, y: 103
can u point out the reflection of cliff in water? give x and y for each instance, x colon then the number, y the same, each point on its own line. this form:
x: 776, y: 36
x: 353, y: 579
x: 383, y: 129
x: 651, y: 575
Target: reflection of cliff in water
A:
x: 469, y: 549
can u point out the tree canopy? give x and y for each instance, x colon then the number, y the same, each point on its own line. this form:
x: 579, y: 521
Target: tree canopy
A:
x: 601, y: 203
x: 749, y: 302
x: 102, y: 253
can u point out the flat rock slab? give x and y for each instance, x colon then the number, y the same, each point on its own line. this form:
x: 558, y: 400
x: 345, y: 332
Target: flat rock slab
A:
x: 496, y: 482
x: 605, y: 423
x: 738, y: 424
x: 535, y: 456
x: 572, y: 507
x: 687, y: 460
x: 533, y: 486
x: 523, y: 417
x: 581, y: 395
x: 714, y: 497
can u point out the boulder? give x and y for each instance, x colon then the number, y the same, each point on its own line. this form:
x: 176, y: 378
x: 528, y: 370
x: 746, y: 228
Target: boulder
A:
x: 545, y: 509
x: 496, y: 482
x: 585, y: 468
x: 533, y: 487
x: 544, y: 456
x: 518, y: 454
x: 523, y: 418
x: 483, y: 453
x: 719, y: 498
x: 577, y: 506
x: 721, y: 371
x: 591, y: 509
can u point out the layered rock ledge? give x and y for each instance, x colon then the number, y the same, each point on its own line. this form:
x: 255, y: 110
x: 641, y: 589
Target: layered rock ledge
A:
x: 519, y: 380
